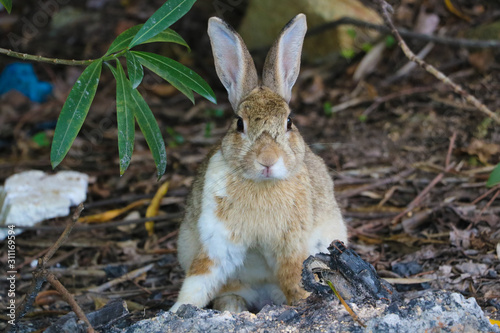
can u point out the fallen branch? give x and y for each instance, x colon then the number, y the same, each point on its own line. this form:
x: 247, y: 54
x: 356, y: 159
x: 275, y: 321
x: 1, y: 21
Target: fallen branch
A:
x: 415, y: 202
x: 390, y: 180
x: 458, y: 42
x: 385, y: 8
x: 41, y: 274
x: 104, y: 225
x: 123, y: 278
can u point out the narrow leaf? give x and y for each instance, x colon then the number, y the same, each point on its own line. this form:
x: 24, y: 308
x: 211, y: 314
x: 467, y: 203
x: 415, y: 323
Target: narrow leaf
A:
x: 123, y: 40
x: 179, y: 86
x: 494, y: 177
x: 346, y: 306
x: 151, y: 131
x: 164, y: 17
x: 134, y: 69
x: 7, y: 4
x: 124, y: 117
x: 169, y: 36
x: 74, y: 112
x: 170, y: 69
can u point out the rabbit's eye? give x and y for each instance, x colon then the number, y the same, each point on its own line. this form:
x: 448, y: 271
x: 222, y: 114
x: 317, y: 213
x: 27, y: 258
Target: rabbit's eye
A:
x: 289, y: 124
x: 239, y: 125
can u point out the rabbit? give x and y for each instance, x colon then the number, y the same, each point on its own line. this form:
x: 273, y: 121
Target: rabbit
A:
x: 262, y: 201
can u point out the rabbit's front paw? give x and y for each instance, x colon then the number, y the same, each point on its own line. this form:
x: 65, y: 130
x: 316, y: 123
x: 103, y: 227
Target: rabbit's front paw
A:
x: 175, y: 307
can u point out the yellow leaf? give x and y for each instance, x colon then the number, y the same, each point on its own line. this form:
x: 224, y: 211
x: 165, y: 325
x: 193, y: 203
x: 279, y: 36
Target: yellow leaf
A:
x: 347, y: 307
x: 495, y: 322
x: 111, y: 214
x: 455, y: 11
x: 154, y: 206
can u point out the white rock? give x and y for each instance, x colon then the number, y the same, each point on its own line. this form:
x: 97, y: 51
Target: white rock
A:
x: 33, y: 196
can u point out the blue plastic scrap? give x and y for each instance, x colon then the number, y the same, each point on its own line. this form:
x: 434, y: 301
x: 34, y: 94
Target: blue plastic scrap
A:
x: 22, y: 77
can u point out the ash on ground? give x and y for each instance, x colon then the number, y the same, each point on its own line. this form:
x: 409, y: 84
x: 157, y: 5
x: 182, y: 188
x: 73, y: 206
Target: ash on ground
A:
x: 428, y: 311
x: 378, y: 306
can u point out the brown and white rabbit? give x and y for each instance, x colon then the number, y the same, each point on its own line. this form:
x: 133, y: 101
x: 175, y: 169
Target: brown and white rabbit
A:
x: 262, y: 201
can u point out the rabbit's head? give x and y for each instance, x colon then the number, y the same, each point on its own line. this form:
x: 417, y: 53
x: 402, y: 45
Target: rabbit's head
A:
x: 262, y: 142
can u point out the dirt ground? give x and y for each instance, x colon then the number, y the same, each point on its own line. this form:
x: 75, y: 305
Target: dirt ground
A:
x: 388, y: 139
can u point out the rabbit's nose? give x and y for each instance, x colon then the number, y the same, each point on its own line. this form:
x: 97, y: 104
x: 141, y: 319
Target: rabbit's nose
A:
x: 267, y: 157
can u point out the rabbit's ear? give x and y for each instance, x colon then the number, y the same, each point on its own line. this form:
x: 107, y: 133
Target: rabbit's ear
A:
x: 233, y: 62
x: 282, y: 64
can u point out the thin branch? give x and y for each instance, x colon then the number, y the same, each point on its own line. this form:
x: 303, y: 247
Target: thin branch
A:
x: 459, y: 42
x: 41, y: 274
x: 38, y: 58
x: 385, y: 8
x: 484, y: 195
x: 448, y: 166
x: 382, y: 99
x: 25, y: 56
x: 63, y: 236
x: 390, y: 180
x: 415, y: 202
x: 69, y: 299
x: 123, y: 278
x: 450, y: 150
x: 103, y: 225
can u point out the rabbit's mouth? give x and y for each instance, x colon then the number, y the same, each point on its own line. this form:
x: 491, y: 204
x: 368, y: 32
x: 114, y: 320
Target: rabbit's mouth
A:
x: 269, y: 171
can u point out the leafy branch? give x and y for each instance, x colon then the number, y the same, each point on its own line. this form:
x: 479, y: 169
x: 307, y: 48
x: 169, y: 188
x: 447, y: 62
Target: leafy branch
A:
x: 130, y: 105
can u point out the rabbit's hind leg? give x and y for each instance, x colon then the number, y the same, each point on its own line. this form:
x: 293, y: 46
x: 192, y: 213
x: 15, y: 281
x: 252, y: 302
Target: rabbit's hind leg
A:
x: 230, y: 302
x: 231, y: 297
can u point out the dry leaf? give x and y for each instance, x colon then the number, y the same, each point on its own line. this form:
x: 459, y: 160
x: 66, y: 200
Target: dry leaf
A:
x: 111, y: 214
x: 154, y: 206
x: 472, y: 268
x: 482, y: 149
x: 408, y: 280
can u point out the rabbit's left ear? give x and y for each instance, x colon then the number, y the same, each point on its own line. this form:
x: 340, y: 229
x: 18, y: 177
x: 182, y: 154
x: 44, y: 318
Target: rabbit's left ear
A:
x: 282, y: 64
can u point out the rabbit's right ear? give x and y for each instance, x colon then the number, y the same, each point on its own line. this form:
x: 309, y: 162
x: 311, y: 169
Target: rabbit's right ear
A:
x: 233, y: 62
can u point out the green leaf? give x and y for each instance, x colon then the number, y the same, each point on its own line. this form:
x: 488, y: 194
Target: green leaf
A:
x: 151, y: 131
x: 74, y: 112
x: 390, y: 41
x: 134, y: 69
x: 169, y: 36
x: 351, y: 33
x: 123, y: 40
x: 7, y: 4
x: 124, y: 117
x: 41, y: 139
x: 327, y: 108
x: 163, y: 18
x: 174, y: 72
x: 494, y: 177
x: 366, y: 47
x: 347, y: 53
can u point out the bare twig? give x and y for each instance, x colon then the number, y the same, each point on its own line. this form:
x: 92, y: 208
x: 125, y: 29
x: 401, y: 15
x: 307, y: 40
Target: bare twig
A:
x: 385, y: 8
x: 448, y: 166
x: 41, y: 274
x: 450, y: 149
x: 415, y: 202
x: 123, y: 278
x: 397, y: 94
x: 63, y: 236
x: 393, y: 179
x: 484, y: 195
x: 487, y: 205
x: 458, y: 42
x: 69, y: 299
x: 104, y: 225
